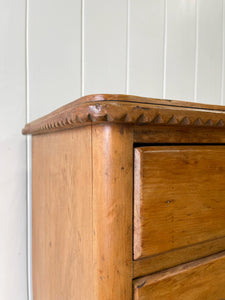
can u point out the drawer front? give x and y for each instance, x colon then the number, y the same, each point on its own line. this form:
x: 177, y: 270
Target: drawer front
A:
x: 179, y: 197
x: 203, y: 279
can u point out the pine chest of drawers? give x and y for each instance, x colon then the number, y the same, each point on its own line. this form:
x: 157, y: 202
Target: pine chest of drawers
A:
x: 129, y: 200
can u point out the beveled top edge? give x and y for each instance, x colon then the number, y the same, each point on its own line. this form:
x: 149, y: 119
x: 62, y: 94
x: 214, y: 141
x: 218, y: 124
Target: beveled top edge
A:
x: 81, y: 112
x: 138, y: 99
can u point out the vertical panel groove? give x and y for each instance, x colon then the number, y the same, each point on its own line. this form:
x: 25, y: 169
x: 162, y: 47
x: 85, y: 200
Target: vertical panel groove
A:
x: 165, y: 49
x: 28, y: 163
x: 196, y: 52
x: 27, y: 144
x: 223, y: 55
x: 26, y: 62
x: 128, y: 49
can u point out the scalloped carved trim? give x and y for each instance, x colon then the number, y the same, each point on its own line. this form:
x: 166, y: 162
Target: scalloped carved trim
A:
x: 127, y: 113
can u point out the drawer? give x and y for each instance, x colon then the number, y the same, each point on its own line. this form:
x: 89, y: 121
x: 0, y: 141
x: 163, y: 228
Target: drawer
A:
x: 179, y: 197
x: 203, y: 279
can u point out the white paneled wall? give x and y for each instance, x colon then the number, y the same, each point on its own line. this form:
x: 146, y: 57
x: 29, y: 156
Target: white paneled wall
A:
x: 180, y: 49
x: 13, y: 282
x: 223, y: 59
x: 54, y: 54
x: 171, y: 49
x: 146, y: 47
x: 104, y: 47
x: 210, y: 50
x: 159, y: 48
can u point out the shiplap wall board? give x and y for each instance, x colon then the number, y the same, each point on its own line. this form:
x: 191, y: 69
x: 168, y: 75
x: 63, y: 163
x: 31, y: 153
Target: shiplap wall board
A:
x: 54, y: 54
x: 158, y: 48
x: 210, y: 50
x: 13, y: 279
x: 105, y: 44
x: 223, y: 59
x: 146, y: 47
x: 180, y: 49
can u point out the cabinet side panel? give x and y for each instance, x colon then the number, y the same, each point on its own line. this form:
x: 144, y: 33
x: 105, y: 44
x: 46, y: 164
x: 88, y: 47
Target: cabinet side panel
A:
x: 112, y: 206
x: 62, y: 216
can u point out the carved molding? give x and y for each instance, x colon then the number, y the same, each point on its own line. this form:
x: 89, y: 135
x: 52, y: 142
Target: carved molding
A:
x: 127, y: 112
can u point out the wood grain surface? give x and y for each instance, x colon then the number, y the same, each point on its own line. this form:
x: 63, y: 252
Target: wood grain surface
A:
x: 132, y: 110
x: 62, y: 216
x: 150, y: 134
x: 112, y: 211
x: 179, y: 197
x: 89, y: 242
x: 82, y: 214
x: 203, y: 279
x: 169, y: 259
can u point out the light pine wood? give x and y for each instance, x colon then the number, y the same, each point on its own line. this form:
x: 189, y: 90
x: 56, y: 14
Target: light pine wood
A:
x: 178, y: 198
x: 112, y: 200
x: 199, y: 280
x: 152, y: 264
x: 90, y: 223
x: 82, y: 214
x: 146, y: 134
x: 62, y: 216
x: 132, y: 110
